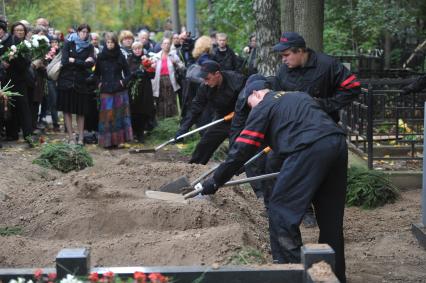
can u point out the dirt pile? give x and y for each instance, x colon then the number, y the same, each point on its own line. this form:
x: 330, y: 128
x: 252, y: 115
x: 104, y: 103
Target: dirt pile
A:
x: 105, y: 209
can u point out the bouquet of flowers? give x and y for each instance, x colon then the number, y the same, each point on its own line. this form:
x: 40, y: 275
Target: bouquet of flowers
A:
x: 52, y: 53
x: 23, y: 49
x: 40, y: 46
x: 147, y: 64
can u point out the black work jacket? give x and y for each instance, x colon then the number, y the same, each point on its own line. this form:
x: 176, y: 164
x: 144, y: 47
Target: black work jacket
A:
x: 286, y: 121
x: 221, y: 99
x: 74, y: 75
x: 111, y: 68
x: 324, y: 78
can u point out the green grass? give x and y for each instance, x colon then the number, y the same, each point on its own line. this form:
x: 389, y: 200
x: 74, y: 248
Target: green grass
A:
x: 10, y: 231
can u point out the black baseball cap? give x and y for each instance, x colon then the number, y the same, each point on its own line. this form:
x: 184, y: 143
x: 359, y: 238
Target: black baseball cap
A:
x: 289, y: 40
x: 208, y: 67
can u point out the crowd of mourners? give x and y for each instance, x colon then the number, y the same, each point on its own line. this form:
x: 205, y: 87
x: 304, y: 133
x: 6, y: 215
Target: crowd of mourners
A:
x: 117, y: 85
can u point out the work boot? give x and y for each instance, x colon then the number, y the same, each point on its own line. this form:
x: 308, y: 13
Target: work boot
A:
x: 309, y: 220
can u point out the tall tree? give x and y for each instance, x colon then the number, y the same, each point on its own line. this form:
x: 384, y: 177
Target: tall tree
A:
x: 267, y: 34
x: 287, y: 15
x: 309, y: 21
x: 175, y: 16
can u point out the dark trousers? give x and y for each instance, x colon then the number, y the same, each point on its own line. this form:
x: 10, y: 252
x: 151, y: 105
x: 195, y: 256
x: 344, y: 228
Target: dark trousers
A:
x: 49, y: 103
x: 20, y: 114
x: 209, y: 142
x: 316, y: 174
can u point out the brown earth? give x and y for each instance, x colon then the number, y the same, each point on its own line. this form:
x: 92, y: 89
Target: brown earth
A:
x: 104, y: 208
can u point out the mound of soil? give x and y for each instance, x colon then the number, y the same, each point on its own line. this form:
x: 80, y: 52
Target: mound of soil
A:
x: 105, y: 209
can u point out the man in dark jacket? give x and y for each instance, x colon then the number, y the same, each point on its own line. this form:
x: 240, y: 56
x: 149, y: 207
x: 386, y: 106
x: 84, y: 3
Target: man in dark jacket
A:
x: 313, y: 168
x: 219, y: 91
x: 224, y: 55
x: 326, y: 79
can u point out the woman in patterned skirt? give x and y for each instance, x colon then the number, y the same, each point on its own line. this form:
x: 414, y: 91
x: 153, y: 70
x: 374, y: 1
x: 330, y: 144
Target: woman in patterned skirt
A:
x: 113, y: 73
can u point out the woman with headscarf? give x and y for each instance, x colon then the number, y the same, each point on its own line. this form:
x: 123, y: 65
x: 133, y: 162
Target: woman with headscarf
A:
x: 113, y: 74
x: 78, y: 57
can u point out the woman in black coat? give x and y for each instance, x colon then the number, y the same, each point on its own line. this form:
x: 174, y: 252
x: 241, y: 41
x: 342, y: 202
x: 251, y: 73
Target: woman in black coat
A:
x: 78, y: 58
x: 140, y: 93
x: 17, y: 72
x: 112, y: 72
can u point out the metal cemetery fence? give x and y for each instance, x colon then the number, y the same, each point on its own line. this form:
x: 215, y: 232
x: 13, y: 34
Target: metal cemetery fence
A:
x: 386, y: 127
x: 77, y: 262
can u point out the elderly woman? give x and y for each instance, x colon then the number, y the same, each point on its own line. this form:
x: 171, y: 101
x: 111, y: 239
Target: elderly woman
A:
x: 113, y: 74
x: 126, y: 40
x: 140, y: 88
x: 164, y: 84
x: 78, y: 57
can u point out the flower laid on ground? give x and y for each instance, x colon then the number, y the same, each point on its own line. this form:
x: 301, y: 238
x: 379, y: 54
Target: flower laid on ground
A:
x: 40, y: 46
x: 23, y: 49
x: 94, y: 277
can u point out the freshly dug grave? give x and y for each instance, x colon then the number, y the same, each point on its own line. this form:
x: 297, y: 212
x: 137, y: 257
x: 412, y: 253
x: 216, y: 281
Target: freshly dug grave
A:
x: 105, y: 209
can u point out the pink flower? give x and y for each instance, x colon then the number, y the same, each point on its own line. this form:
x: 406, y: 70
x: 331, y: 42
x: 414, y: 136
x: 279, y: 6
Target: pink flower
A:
x: 38, y: 274
x: 94, y: 277
x: 157, y: 278
x: 140, y: 277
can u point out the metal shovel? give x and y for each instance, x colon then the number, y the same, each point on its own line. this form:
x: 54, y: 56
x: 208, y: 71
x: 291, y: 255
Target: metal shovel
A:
x: 177, y: 185
x: 152, y: 150
x: 198, y: 188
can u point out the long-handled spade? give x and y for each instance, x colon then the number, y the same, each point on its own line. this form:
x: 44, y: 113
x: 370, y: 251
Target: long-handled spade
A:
x: 151, y: 150
x: 177, y: 185
x: 198, y: 188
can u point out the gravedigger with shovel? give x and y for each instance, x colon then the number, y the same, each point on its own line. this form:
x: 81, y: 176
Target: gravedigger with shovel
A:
x: 314, y: 168
x: 220, y: 92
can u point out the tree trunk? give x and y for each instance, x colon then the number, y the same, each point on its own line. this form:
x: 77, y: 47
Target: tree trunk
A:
x: 267, y: 35
x: 287, y: 15
x: 309, y: 22
x: 387, y: 50
x: 175, y: 16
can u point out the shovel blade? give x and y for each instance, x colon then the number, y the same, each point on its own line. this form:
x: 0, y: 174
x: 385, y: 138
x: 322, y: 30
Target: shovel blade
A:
x: 166, y: 196
x: 176, y: 185
x: 142, y: 150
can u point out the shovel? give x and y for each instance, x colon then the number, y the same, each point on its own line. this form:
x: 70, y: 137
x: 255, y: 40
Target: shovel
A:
x: 177, y: 185
x: 152, y: 150
x: 198, y: 188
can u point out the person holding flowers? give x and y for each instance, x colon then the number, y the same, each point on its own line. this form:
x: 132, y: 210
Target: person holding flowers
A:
x: 140, y: 90
x: 16, y: 61
x: 113, y: 75
x: 78, y: 57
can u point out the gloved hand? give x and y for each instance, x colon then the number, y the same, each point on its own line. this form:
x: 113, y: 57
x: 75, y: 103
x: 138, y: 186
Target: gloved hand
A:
x: 179, y: 133
x: 209, y: 187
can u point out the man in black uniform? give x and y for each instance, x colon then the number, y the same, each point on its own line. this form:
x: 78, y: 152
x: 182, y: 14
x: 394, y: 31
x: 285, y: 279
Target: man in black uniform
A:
x: 321, y: 76
x: 313, y: 152
x: 219, y: 91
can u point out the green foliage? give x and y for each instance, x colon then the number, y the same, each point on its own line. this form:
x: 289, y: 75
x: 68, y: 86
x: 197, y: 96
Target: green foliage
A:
x: 354, y: 25
x: 10, y: 231
x: 235, y: 18
x: 101, y: 15
x: 165, y: 130
x: 248, y: 255
x: 369, y: 189
x: 64, y: 157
